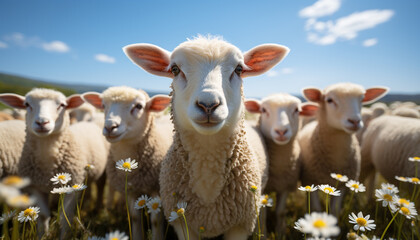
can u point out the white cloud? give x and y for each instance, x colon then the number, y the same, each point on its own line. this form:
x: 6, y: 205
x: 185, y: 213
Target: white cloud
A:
x: 104, y: 58
x: 3, y: 45
x: 370, y: 42
x: 272, y: 73
x: 320, y: 8
x: 56, y: 46
x: 345, y: 28
x: 284, y: 71
x: 287, y: 70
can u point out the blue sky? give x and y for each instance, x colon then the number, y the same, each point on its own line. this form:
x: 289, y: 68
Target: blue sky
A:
x: 372, y: 43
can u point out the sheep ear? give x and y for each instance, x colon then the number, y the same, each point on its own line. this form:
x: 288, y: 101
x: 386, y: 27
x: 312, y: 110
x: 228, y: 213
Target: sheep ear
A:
x: 93, y: 98
x: 253, y: 106
x: 312, y: 94
x: 308, y: 109
x: 74, y: 101
x: 151, y: 58
x: 374, y: 94
x: 262, y: 58
x: 13, y: 100
x: 158, y: 103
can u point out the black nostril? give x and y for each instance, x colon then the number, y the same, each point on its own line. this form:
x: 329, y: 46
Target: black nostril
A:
x: 208, y: 108
x: 354, y: 122
x: 42, y: 123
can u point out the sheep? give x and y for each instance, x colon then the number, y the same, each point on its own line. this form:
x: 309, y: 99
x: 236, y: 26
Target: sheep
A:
x: 4, y: 116
x: 330, y: 145
x: 406, y: 112
x: 388, y: 143
x: 131, y: 128
x: 379, y: 109
x: 367, y: 116
x: 12, y: 137
x: 52, y: 146
x: 215, y: 157
x: 279, y: 123
x: 88, y: 113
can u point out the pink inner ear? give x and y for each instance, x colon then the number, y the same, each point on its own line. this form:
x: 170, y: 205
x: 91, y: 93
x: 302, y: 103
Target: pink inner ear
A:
x: 262, y: 58
x: 74, y: 101
x: 312, y: 94
x: 159, y: 103
x: 94, y: 99
x: 308, y: 110
x: 13, y: 100
x: 252, y: 106
x: 373, y: 94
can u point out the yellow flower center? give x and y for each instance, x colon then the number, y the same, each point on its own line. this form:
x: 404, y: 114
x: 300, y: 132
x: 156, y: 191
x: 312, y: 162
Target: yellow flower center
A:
x: 355, y: 186
x: 389, y: 188
x: 264, y: 201
x: 141, y: 203
x: 388, y: 197
x: 405, y: 210
x: 415, y: 180
x: 361, y: 221
x: 114, y: 239
x: 21, y: 199
x: 266, y: 196
x: 308, y: 188
x: 416, y: 158
x: 328, y: 190
x: 61, y: 177
x: 254, y: 188
x: 12, y: 180
x: 201, y: 229
x: 180, y: 212
x: 126, y: 165
x: 320, y: 223
x: 28, y: 212
x: 155, y: 206
x: 75, y: 186
x: 403, y: 201
x: 339, y: 176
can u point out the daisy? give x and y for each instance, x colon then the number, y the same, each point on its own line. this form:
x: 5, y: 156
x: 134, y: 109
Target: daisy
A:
x: 319, y: 225
x: 361, y: 223
x: 402, y: 179
x: 179, y: 212
x: 387, y: 196
x: 308, y: 188
x: 62, y: 190
x: 266, y: 201
x: 355, y: 186
x: 29, y: 214
x: 153, y: 205
x: 7, y: 216
x: 339, y: 177
x: 141, y: 202
x: 89, y: 167
x: 8, y: 192
x: 116, y: 235
x: 409, y: 211
x: 298, y: 225
x: 414, y: 180
x: 254, y: 189
x: 329, y: 190
x: 79, y: 187
x: 352, y: 236
x: 126, y: 165
x: 62, y: 178
x: 20, y: 201
x: 16, y: 181
x: 414, y: 159
x: 389, y: 186
x: 402, y: 202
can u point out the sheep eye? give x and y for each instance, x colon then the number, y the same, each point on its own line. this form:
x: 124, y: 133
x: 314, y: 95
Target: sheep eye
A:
x: 329, y: 100
x: 138, y: 106
x: 27, y: 105
x: 296, y: 110
x: 263, y: 110
x: 62, y: 105
x: 238, y: 69
x: 175, y: 70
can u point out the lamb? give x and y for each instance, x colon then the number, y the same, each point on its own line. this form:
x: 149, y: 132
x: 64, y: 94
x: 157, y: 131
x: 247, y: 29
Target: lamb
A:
x: 4, y: 116
x: 131, y: 128
x: 406, y: 112
x: 379, y: 109
x: 52, y: 146
x: 279, y: 123
x: 88, y: 113
x: 12, y: 137
x: 330, y: 145
x: 367, y: 116
x: 388, y: 143
x: 215, y: 157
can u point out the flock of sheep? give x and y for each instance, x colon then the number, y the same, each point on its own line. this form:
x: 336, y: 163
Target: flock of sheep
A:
x: 205, y: 152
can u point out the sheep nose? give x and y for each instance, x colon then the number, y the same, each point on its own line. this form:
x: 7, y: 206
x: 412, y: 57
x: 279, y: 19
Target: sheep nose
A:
x: 281, y: 132
x: 208, y: 108
x: 42, y: 122
x: 110, y: 128
x: 354, y: 122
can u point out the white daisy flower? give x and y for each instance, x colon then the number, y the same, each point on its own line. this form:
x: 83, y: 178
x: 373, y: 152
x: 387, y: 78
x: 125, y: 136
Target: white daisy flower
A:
x: 319, y: 224
x: 390, y: 186
x: 414, y: 159
x: 414, y: 180
x: 126, y: 165
x: 308, y: 188
x: 8, y: 192
x: 355, y: 186
x: 352, y: 236
x: 89, y: 167
x: 62, y: 190
x: 361, y: 223
x: 339, y: 177
x: 329, y: 190
x: 7, y: 216
x: 402, y: 202
x: 409, y: 211
x: 178, y: 213
x: 29, y: 214
x: 20, y: 201
x: 174, y: 216
x: 116, y: 235
x: 16, y: 181
x: 266, y: 201
x: 298, y: 225
x: 62, y: 178
x: 402, y: 179
x: 141, y: 202
x: 387, y: 196
x: 79, y: 187
x: 153, y: 205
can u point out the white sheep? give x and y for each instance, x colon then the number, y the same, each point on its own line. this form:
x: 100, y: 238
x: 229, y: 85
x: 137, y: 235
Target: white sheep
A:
x: 132, y: 129
x: 279, y: 123
x: 403, y: 111
x: 215, y: 157
x: 387, y: 144
x: 379, y: 109
x: 87, y: 113
x: 12, y: 137
x: 329, y: 145
x: 53, y: 146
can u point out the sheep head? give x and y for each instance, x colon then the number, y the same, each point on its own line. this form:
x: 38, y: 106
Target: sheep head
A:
x: 207, y: 78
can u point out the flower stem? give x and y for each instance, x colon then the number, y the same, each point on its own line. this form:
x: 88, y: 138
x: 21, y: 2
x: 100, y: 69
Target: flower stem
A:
x: 400, y: 228
x: 414, y: 191
x: 183, y: 231
x: 84, y: 190
x: 166, y: 231
x: 23, y: 231
x: 258, y: 216
x: 5, y: 224
x: 326, y: 203
x: 126, y: 205
x: 389, y: 224
x: 142, y: 223
x: 309, y: 202
x: 64, y: 211
x: 78, y: 209
x: 186, y: 226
